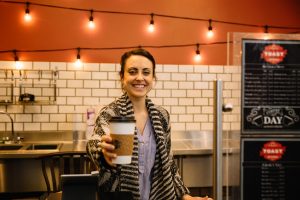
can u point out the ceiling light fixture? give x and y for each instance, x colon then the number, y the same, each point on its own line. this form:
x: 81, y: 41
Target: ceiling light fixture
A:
x: 27, y: 15
x: 151, y: 27
x: 18, y: 64
x: 91, y: 20
x: 78, y: 62
x: 266, y: 31
x: 197, y: 57
x: 210, y: 32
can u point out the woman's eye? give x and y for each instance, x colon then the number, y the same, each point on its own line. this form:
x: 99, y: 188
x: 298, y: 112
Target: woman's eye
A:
x: 146, y: 72
x: 131, y: 72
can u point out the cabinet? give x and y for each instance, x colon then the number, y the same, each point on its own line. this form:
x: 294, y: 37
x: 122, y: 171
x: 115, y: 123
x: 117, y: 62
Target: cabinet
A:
x: 28, y: 86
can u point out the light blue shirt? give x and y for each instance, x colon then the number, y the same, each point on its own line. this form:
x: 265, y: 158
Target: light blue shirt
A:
x: 147, y: 150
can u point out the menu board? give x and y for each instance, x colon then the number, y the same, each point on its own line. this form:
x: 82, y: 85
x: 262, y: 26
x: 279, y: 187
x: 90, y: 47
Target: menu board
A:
x: 270, y: 86
x: 270, y: 168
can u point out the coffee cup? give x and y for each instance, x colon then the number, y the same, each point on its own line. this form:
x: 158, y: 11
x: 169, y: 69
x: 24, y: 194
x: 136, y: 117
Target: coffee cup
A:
x: 122, y: 134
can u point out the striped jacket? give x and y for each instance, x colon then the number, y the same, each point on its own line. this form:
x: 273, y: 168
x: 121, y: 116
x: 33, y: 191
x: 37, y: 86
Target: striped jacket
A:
x: 166, y: 183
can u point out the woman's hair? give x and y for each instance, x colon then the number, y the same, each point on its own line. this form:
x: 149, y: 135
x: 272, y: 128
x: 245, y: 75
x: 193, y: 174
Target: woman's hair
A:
x: 138, y: 52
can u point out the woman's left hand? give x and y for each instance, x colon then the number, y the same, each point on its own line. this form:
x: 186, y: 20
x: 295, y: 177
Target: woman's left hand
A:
x: 188, y: 197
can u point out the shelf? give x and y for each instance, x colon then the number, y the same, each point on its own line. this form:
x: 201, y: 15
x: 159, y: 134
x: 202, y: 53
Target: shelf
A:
x: 39, y: 84
x: 35, y: 102
x: 6, y: 93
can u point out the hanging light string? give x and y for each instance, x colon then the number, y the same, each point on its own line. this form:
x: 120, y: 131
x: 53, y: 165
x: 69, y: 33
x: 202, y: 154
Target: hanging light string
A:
x: 79, y: 49
x: 156, y: 14
x: 91, y: 23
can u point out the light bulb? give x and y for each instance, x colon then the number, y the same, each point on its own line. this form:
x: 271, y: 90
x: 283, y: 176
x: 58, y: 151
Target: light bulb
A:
x: 91, y: 24
x: 266, y: 36
x: 78, y: 63
x: 27, y: 17
x: 210, y: 33
x: 19, y: 65
x: 91, y: 21
x: 151, y: 28
x: 197, y: 57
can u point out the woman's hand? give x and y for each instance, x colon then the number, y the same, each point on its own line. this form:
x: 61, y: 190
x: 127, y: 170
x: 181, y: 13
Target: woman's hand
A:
x: 188, y: 197
x: 107, y: 148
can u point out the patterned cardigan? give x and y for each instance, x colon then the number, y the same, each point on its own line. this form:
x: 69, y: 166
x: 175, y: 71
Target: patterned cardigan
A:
x: 166, y: 183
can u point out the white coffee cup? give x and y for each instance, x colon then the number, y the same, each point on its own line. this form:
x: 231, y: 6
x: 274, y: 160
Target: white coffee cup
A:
x: 122, y: 133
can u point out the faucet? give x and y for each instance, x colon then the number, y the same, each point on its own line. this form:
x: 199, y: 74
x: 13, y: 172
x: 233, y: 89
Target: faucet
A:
x: 12, y: 125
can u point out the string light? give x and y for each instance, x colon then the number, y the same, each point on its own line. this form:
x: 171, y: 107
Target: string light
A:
x: 144, y: 14
x: 151, y: 27
x: 266, y: 28
x: 27, y: 15
x: 197, y: 57
x: 91, y: 21
x: 210, y: 32
x: 78, y: 62
x: 266, y: 31
x: 18, y: 64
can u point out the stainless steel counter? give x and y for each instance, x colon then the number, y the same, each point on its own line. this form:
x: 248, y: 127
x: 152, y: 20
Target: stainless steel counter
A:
x: 183, y: 143
x: 192, y: 151
x: 63, y: 140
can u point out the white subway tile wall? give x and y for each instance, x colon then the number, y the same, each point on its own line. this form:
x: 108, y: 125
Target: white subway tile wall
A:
x: 186, y: 91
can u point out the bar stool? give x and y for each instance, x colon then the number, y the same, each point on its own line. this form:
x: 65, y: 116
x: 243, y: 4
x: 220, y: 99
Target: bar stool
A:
x: 58, y: 163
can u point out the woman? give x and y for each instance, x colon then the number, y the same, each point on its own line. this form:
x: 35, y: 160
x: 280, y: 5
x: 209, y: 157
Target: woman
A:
x: 152, y: 173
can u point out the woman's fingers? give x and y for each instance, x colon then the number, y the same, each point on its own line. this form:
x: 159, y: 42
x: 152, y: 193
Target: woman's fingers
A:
x: 108, y: 156
x: 107, y: 149
x: 106, y: 143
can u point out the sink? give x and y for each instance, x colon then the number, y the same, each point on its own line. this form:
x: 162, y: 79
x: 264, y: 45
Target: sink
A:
x: 43, y: 147
x: 10, y: 147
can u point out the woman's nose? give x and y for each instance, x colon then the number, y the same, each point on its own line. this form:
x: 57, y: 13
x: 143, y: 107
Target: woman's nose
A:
x: 140, y: 76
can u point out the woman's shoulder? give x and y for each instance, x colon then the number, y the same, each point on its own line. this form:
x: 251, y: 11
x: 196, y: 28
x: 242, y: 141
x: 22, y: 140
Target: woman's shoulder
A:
x: 162, y: 112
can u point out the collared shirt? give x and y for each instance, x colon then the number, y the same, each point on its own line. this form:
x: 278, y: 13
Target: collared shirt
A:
x: 147, y: 150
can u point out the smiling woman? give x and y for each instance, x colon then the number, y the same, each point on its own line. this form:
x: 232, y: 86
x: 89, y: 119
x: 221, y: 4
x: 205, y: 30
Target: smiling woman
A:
x: 54, y: 27
x: 152, y: 173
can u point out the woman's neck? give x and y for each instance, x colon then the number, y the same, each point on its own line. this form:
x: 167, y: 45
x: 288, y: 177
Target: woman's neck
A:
x: 140, y: 113
x: 139, y: 104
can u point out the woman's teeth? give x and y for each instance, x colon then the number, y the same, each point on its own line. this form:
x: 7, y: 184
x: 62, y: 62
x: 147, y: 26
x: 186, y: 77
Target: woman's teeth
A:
x: 139, y: 86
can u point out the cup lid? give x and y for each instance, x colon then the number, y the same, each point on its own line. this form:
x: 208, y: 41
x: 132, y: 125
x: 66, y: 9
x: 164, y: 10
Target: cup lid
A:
x: 122, y: 119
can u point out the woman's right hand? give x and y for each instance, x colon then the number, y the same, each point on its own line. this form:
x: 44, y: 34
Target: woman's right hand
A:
x: 107, y: 147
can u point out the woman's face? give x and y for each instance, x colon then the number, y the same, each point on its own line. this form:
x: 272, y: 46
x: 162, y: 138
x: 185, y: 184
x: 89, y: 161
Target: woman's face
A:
x: 138, y: 76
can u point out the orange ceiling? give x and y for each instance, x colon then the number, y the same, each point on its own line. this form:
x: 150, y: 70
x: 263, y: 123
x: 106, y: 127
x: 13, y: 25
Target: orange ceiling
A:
x: 53, y: 28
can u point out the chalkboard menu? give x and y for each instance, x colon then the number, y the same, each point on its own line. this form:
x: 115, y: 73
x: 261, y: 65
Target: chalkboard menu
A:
x: 270, y: 169
x: 270, y: 86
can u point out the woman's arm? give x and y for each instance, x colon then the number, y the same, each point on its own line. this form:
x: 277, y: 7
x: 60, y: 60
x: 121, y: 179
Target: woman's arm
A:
x: 109, y: 179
